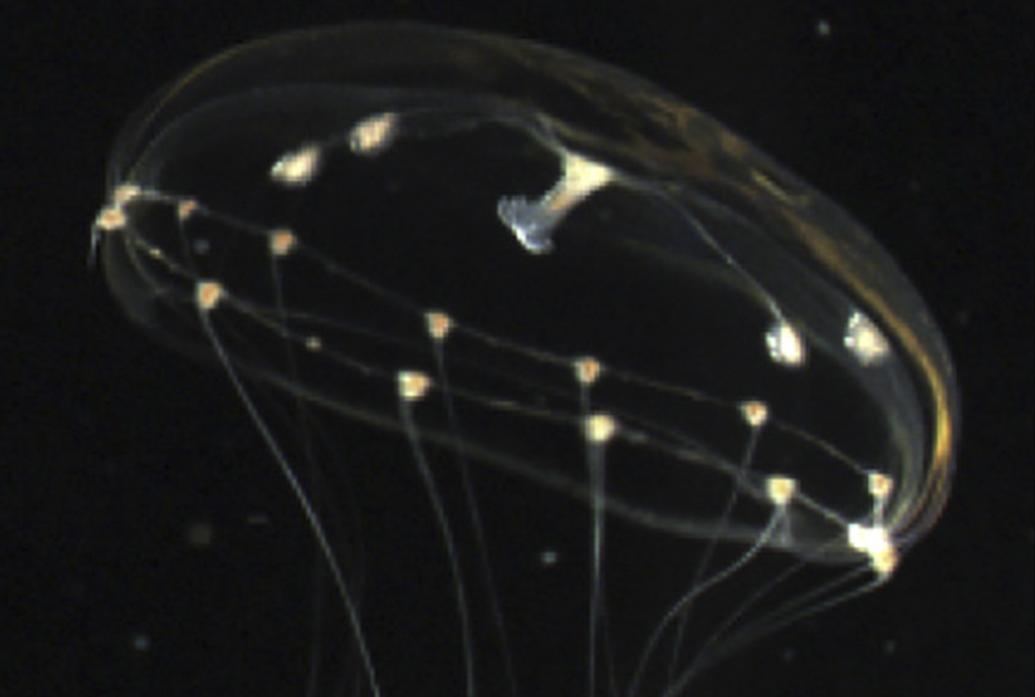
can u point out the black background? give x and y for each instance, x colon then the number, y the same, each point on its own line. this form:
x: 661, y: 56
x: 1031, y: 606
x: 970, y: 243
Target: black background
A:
x: 916, y: 116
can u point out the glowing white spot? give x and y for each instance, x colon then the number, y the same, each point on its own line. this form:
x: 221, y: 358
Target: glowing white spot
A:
x: 599, y: 428
x: 785, y: 345
x: 587, y: 370
x: 282, y: 242
x: 124, y: 193
x: 413, y: 385
x: 864, y: 340
x: 298, y: 167
x: 755, y: 413
x: 186, y: 208
x: 875, y: 542
x: 111, y: 218
x: 207, y: 294
x: 780, y: 489
x: 880, y: 485
x: 438, y: 323
x: 373, y: 134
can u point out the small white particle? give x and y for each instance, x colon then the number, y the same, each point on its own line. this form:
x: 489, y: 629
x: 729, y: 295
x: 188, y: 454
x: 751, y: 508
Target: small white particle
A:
x: 864, y: 340
x: 785, y: 344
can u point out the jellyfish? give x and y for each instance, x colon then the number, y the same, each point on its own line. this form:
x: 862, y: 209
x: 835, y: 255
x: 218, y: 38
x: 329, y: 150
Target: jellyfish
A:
x: 638, y: 394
